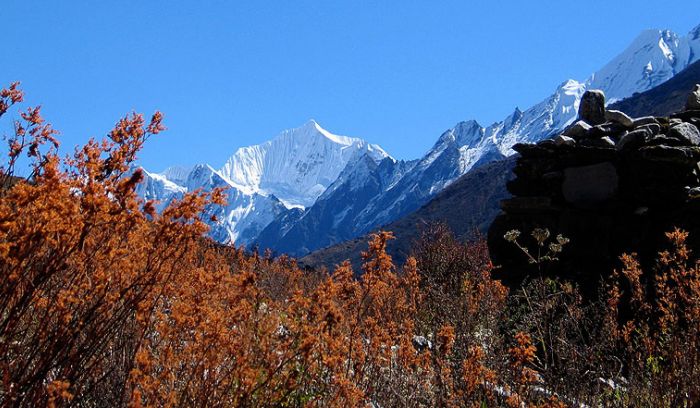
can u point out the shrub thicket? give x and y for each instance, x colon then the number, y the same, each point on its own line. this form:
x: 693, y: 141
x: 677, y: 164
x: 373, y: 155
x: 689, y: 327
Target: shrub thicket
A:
x: 105, y: 302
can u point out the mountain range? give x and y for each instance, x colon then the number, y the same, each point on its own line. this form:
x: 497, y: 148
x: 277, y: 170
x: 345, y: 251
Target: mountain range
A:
x: 263, y: 182
x: 307, y: 188
x: 469, y: 205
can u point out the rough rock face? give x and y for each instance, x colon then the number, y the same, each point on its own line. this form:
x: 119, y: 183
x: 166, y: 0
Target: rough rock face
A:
x: 694, y: 99
x: 592, y: 107
x: 610, y: 186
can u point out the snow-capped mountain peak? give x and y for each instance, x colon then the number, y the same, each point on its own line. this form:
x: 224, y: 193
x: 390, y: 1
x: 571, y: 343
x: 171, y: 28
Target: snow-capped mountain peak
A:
x: 313, y: 126
x: 265, y: 181
x: 206, y: 177
x: 568, y: 96
x: 307, y: 188
x: 156, y: 185
x: 652, y: 58
x: 464, y: 133
x: 297, y: 165
x: 177, y: 174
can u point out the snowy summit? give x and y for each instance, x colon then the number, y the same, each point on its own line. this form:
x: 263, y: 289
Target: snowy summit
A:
x: 264, y: 181
x: 296, y: 166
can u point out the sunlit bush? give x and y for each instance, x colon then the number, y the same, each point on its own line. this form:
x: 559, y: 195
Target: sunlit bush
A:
x: 105, y: 302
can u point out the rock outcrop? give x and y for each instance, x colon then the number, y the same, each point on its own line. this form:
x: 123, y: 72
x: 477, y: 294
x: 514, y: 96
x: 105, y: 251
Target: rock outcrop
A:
x: 610, y: 183
x: 694, y: 99
x: 592, y: 107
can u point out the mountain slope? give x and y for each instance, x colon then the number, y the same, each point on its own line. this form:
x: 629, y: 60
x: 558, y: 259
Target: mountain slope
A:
x: 666, y: 98
x: 652, y: 58
x: 298, y: 165
x: 471, y: 202
x: 467, y: 206
x: 273, y: 180
x: 333, y: 217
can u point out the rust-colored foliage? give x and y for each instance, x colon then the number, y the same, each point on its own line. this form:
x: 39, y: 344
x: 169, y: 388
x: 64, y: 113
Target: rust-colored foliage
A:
x: 106, y: 302
x: 654, y: 323
x: 83, y: 267
x: 461, y: 307
x: 228, y: 342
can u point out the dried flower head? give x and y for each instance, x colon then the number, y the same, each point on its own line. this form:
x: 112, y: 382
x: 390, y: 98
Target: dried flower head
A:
x: 541, y: 235
x: 562, y: 240
x: 555, y: 247
x: 511, y: 235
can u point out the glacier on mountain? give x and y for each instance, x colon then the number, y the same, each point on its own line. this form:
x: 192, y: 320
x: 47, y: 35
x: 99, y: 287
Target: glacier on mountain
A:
x: 264, y: 181
x: 296, y: 166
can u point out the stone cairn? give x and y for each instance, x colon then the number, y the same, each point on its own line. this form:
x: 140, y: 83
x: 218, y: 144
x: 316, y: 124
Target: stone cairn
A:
x: 610, y: 183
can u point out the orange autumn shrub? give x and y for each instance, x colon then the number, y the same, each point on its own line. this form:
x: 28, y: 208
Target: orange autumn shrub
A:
x: 654, y: 325
x: 460, y: 309
x: 82, y: 262
x: 106, y: 302
x: 344, y: 342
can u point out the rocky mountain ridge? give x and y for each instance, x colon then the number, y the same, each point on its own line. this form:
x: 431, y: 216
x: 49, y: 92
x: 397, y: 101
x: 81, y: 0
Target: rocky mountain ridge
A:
x: 298, y: 199
x: 652, y: 58
x: 266, y: 181
x: 473, y: 201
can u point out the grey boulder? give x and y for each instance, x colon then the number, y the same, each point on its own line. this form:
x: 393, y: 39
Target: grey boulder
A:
x: 562, y: 140
x: 578, y: 130
x: 693, y: 102
x: 619, y: 117
x: 645, y: 120
x: 634, y: 139
x: 592, y: 107
x: 687, y: 133
x: 653, y: 128
x: 590, y: 185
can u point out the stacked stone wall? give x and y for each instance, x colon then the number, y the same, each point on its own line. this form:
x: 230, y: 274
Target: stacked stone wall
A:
x: 610, y: 183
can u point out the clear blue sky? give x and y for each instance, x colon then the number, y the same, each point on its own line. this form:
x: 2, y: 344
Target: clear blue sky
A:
x: 234, y: 73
